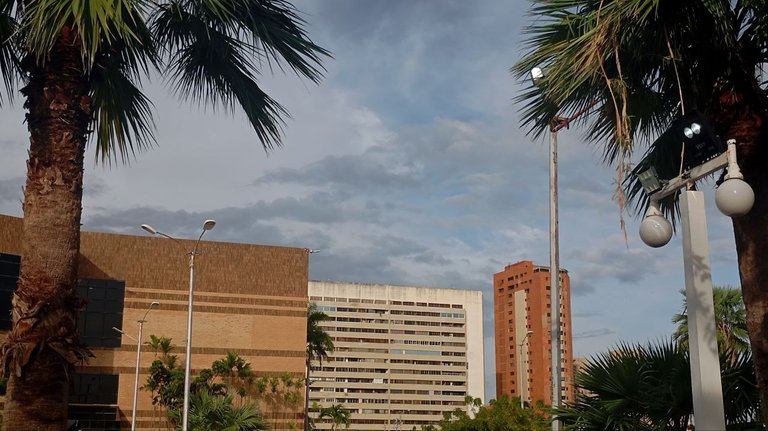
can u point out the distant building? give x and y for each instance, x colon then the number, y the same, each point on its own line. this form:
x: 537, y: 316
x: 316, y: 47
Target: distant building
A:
x: 522, y: 305
x: 404, y: 355
x: 579, y: 366
x: 249, y: 299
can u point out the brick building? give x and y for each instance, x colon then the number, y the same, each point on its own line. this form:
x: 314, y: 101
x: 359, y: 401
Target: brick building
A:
x: 249, y: 299
x: 522, y: 306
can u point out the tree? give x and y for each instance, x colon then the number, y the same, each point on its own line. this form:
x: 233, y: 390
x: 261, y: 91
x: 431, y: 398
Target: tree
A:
x: 648, y: 387
x: 635, y: 66
x: 338, y: 414
x: 503, y: 414
x: 730, y: 321
x: 79, y: 66
x: 211, y: 413
x: 319, y: 344
x: 236, y: 373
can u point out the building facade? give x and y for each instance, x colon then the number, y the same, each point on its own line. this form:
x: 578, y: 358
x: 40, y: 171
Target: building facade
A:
x: 403, y: 355
x: 522, y: 321
x: 249, y: 299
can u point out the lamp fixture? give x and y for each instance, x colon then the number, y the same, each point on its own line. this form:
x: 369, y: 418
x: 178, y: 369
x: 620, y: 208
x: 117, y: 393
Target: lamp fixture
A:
x: 649, y: 179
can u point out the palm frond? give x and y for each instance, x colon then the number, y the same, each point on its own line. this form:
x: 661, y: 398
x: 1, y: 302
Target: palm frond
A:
x: 97, y: 22
x: 122, y: 114
x: 642, y: 63
x: 9, y: 54
x: 214, y: 49
x: 275, y: 29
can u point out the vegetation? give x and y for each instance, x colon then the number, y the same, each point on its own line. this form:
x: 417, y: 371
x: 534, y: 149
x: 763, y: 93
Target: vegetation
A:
x: 730, y: 321
x: 79, y: 66
x: 338, y: 414
x: 319, y: 344
x: 503, y: 414
x: 633, y: 67
x: 227, y: 390
x: 645, y: 388
x: 208, y: 412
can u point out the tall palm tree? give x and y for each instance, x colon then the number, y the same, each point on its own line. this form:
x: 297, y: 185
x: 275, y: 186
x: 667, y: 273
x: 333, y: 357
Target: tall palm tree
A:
x: 338, y: 414
x: 79, y: 66
x: 730, y: 321
x: 319, y: 344
x: 635, y: 66
x: 648, y: 387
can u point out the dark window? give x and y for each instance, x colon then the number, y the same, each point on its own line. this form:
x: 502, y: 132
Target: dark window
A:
x: 93, y: 417
x: 9, y: 277
x: 103, y: 311
x: 93, y: 389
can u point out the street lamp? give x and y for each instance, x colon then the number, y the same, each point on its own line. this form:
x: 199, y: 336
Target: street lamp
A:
x: 557, y: 123
x: 138, y: 362
x: 734, y: 197
x: 521, y: 369
x: 207, y: 225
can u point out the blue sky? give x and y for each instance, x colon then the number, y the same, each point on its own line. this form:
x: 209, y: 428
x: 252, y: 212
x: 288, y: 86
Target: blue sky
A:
x: 406, y: 165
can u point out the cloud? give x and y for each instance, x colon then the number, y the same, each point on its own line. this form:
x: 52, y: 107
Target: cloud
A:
x: 11, y: 189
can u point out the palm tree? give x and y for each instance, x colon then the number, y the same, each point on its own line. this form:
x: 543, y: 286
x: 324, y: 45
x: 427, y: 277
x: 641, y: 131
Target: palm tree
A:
x: 338, y: 415
x: 635, y: 66
x: 79, y: 67
x: 319, y: 344
x: 214, y: 413
x: 648, y: 387
x: 730, y: 321
x: 236, y: 372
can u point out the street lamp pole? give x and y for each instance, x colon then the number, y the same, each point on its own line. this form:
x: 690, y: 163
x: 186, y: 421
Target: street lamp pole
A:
x: 521, y: 371
x: 557, y: 123
x: 734, y: 197
x: 554, y: 270
x: 207, y: 225
x: 138, y: 363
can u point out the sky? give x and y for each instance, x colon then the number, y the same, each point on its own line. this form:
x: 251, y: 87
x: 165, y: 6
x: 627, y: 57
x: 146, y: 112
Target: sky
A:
x: 406, y: 165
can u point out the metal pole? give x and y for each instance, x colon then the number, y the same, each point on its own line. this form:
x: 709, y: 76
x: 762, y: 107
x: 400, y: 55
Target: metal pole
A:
x: 188, y: 365
x: 554, y: 274
x: 521, y: 371
x: 306, y: 395
x: 702, y: 337
x: 136, y: 377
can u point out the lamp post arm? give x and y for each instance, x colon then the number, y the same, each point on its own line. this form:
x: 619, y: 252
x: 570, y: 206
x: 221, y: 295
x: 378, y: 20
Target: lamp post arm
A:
x: 559, y: 123
x: 186, y: 250
x: 692, y: 175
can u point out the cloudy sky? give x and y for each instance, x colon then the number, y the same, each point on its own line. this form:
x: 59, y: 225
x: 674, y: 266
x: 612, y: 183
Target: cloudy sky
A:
x: 407, y: 165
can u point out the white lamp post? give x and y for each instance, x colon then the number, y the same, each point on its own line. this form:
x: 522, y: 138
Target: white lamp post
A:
x: 521, y: 369
x: 207, y: 225
x: 734, y: 197
x: 138, y: 363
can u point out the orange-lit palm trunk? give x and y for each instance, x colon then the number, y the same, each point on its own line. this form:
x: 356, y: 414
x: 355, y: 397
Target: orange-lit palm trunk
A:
x: 43, y: 342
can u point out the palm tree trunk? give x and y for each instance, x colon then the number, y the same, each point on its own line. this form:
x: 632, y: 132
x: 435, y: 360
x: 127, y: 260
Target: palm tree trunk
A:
x: 43, y: 343
x: 751, y: 233
x: 741, y: 114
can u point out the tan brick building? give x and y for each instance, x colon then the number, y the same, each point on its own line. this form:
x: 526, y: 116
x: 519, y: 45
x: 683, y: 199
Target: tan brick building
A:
x: 522, y: 305
x: 249, y: 299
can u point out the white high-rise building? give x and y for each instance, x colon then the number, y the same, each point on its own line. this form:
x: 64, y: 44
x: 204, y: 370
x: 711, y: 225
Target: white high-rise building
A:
x: 404, y: 355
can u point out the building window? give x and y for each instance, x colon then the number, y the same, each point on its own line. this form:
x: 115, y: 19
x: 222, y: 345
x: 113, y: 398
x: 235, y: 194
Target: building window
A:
x: 103, y: 311
x: 93, y: 388
x: 9, y: 277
